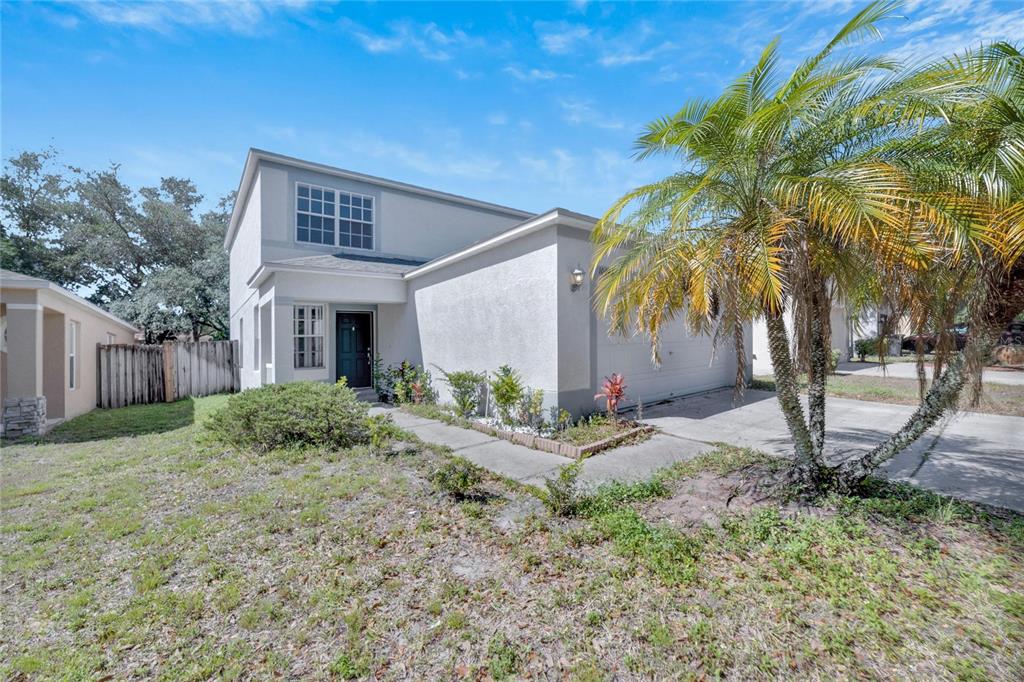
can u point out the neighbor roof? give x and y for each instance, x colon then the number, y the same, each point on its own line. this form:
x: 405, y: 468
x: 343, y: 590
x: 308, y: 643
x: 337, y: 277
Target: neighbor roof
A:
x: 257, y: 155
x: 16, y: 280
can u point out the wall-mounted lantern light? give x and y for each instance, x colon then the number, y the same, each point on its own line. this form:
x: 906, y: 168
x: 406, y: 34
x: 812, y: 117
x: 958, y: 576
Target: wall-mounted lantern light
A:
x: 576, y: 279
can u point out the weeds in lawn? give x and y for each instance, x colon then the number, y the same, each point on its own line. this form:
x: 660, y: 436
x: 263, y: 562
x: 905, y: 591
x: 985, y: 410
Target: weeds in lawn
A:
x: 174, y: 558
x: 458, y: 477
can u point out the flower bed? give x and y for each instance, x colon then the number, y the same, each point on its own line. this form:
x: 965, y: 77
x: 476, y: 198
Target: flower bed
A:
x: 562, y: 447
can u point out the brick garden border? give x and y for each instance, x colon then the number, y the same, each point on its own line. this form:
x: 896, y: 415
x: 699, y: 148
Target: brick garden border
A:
x: 557, y: 447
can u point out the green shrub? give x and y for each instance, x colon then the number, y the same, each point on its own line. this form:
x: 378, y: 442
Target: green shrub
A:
x: 531, y: 409
x: 562, y: 496
x: 300, y: 413
x: 466, y: 388
x: 507, y: 391
x: 866, y: 347
x: 833, y: 361
x: 458, y: 477
x: 402, y: 383
x: 383, y: 431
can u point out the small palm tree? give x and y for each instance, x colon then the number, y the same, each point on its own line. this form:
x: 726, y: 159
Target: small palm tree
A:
x: 786, y: 200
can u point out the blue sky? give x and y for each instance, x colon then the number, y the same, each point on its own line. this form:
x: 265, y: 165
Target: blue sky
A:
x: 528, y: 104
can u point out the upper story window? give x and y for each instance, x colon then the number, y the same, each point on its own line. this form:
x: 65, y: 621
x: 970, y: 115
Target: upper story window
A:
x: 327, y: 216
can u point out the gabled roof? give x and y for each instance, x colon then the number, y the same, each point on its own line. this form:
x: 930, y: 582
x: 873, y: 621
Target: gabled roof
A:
x: 16, y: 280
x: 257, y: 155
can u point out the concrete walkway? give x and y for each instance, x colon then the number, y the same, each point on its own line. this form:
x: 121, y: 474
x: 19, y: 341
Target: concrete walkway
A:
x: 973, y: 456
x: 529, y: 466
x: 908, y: 370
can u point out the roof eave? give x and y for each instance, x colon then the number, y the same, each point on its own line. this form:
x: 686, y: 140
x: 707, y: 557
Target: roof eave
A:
x: 556, y: 216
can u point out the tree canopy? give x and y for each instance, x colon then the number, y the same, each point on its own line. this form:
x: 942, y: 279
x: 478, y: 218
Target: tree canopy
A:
x: 148, y: 255
x: 852, y: 178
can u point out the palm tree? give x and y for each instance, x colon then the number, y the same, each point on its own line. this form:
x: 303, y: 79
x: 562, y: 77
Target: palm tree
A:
x: 785, y: 201
x: 973, y: 163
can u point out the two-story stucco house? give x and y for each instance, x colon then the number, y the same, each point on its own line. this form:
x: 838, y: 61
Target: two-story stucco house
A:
x: 330, y: 268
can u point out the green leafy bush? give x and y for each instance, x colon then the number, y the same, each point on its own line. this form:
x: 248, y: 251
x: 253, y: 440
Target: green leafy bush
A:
x: 466, y: 387
x: 507, y: 392
x: 458, y: 477
x: 562, y: 496
x: 531, y: 409
x: 866, y: 347
x: 833, y: 361
x: 402, y: 383
x: 383, y: 431
x: 300, y: 413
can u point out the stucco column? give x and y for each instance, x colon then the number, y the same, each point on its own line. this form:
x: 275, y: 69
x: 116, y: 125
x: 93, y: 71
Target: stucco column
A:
x: 24, y: 350
x: 24, y: 407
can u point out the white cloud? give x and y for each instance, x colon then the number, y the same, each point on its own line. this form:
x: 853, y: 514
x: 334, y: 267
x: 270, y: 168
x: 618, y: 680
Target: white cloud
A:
x: 559, y: 37
x: 428, y: 40
x: 623, y: 56
x: 581, y: 112
x: 529, y: 74
x: 237, y: 16
x: 450, y: 159
x: 498, y: 118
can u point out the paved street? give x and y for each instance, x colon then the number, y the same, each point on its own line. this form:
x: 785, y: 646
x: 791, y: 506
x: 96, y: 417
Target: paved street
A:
x: 908, y: 370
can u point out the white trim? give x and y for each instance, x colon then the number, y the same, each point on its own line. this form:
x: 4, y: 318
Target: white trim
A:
x: 74, y: 334
x: 22, y: 282
x: 256, y: 155
x: 268, y: 268
x: 322, y: 335
x: 374, y: 204
x: 556, y: 216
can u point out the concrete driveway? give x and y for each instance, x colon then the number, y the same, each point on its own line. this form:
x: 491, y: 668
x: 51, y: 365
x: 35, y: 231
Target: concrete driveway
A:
x: 908, y: 370
x: 974, y: 456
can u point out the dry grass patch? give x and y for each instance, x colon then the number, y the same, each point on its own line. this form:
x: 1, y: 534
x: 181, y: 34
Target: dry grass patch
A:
x: 164, y: 555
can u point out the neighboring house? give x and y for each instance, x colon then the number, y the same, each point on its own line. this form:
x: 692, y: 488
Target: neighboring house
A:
x: 48, y: 358
x: 330, y: 268
x: 846, y: 330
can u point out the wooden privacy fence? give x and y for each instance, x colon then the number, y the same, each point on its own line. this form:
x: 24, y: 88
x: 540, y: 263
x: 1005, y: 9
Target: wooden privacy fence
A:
x: 129, y: 374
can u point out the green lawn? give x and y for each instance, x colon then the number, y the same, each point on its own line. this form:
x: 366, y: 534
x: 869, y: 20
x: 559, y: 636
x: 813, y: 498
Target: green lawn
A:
x: 134, y: 547
x: 1002, y: 399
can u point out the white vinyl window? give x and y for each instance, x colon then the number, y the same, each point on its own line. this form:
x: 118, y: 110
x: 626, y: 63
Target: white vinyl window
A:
x: 308, y: 335
x: 73, y: 355
x: 111, y: 338
x: 327, y: 216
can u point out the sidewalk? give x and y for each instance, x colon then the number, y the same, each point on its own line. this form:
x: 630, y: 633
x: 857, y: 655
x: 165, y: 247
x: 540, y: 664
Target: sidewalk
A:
x: 528, y: 466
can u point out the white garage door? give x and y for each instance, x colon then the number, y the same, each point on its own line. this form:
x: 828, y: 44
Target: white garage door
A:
x: 687, y: 365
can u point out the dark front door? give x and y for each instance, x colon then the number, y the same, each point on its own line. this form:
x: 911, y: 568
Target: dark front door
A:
x: 354, y: 348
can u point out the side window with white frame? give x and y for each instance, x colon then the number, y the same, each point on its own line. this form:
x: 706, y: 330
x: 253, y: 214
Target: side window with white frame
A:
x: 332, y: 217
x: 308, y: 335
x: 73, y: 334
x: 111, y: 338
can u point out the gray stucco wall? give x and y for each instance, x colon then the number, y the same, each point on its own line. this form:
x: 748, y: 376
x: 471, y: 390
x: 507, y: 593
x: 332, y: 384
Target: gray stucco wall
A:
x: 498, y: 307
x: 405, y: 224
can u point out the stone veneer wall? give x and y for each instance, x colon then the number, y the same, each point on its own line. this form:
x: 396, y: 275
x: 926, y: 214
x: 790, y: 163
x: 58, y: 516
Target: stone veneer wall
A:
x: 24, y: 416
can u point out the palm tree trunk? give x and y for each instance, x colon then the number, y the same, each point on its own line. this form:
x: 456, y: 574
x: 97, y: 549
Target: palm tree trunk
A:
x: 805, y: 468
x: 817, y: 373
x: 941, y: 397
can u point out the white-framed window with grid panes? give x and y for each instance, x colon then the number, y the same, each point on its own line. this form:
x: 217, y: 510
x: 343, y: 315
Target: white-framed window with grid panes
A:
x: 308, y: 335
x: 332, y: 217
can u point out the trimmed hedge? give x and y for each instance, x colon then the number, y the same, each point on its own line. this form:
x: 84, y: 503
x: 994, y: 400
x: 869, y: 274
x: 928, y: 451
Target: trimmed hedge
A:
x: 300, y: 413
